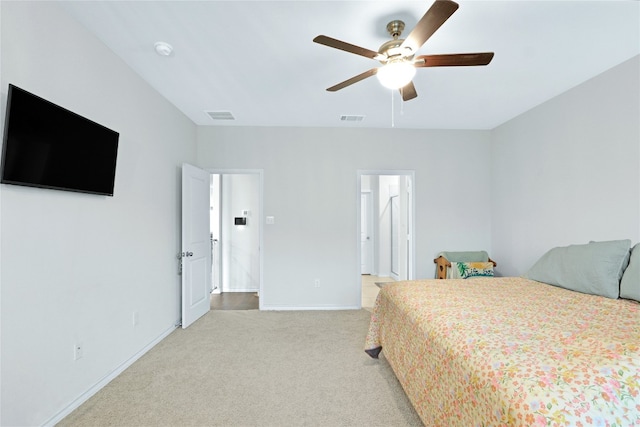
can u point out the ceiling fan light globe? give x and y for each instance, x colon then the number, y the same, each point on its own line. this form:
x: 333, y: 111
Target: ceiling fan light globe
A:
x: 395, y: 75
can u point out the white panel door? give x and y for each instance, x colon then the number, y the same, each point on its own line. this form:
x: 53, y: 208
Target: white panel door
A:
x: 366, y: 232
x: 196, y: 244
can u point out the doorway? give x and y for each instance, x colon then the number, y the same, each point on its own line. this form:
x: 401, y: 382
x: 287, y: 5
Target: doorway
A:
x: 366, y: 232
x: 385, y: 210
x: 236, y: 239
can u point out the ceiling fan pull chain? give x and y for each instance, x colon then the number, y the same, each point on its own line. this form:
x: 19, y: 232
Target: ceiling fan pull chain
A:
x: 393, y: 119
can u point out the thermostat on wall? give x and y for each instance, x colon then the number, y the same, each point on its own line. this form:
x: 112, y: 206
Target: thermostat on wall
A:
x: 240, y: 220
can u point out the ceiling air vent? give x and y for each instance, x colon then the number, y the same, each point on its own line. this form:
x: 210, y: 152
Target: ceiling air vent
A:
x: 351, y: 118
x: 220, y: 115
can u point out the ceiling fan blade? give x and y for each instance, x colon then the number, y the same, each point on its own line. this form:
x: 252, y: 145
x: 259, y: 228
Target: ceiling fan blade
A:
x: 353, y: 80
x: 437, y: 14
x: 408, y: 92
x: 453, y: 60
x: 347, y: 47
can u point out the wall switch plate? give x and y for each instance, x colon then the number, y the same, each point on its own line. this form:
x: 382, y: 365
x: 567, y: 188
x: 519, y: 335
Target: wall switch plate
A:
x: 270, y: 220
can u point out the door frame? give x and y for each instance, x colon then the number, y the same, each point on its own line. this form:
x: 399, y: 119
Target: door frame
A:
x: 373, y: 268
x: 260, y: 173
x: 394, y: 274
x: 411, y: 270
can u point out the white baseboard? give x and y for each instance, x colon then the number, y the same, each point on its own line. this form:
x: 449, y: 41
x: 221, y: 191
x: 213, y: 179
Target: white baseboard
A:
x: 106, y: 380
x: 307, y: 308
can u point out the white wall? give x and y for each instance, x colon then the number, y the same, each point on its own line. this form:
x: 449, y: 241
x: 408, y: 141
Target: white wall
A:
x: 310, y: 187
x: 568, y: 171
x: 75, y: 266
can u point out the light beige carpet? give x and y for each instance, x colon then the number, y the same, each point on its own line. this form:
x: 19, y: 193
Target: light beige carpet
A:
x: 256, y: 368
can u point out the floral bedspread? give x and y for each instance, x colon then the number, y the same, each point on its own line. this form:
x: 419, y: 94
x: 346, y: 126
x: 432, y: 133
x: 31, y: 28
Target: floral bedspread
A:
x: 510, y: 352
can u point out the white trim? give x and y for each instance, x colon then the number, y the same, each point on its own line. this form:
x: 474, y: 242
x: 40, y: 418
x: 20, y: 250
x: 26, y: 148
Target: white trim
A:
x: 260, y: 173
x: 106, y: 379
x: 230, y: 291
x: 308, y: 308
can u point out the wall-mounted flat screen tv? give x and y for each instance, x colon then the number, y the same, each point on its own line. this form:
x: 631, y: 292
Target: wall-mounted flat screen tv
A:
x: 48, y: 146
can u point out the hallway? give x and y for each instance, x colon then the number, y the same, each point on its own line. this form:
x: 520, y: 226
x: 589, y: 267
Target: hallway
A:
x: 250, y: 300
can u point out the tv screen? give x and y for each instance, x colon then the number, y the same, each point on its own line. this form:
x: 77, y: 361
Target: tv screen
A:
x: 48, y: 146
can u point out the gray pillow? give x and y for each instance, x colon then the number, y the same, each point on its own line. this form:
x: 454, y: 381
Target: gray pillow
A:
x: 595, y: 268
x: 630, y: 285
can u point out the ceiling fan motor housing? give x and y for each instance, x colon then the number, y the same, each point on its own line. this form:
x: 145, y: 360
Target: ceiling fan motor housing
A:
x: 395, y: 28
x: 391, y: 49
x: 393, y: 52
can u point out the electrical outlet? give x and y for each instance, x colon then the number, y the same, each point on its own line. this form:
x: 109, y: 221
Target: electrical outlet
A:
x: 135, y: 318
x: 77, y: 351
x: 316, y: 283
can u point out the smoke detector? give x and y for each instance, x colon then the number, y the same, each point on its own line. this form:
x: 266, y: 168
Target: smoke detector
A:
x: 163, y: 49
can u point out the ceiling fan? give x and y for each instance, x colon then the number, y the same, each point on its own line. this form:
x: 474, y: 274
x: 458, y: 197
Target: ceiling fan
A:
x: 397, y: 56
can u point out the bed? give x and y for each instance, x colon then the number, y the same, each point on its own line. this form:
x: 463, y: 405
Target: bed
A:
x: 498, y: 351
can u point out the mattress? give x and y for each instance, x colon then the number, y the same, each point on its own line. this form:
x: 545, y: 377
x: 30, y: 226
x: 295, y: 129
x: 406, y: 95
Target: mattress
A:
x: 510, y: 351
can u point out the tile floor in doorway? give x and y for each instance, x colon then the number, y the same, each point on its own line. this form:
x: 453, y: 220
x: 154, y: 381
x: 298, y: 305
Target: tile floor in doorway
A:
x: 235, y: 301
x: 370, y: 289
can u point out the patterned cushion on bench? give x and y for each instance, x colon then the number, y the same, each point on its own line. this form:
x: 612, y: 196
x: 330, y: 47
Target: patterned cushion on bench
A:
x: 464, y: 270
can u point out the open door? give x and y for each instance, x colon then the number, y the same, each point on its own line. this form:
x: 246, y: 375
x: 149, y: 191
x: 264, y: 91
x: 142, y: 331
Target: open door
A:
x: 366, y: 233
x: 196, y: 244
